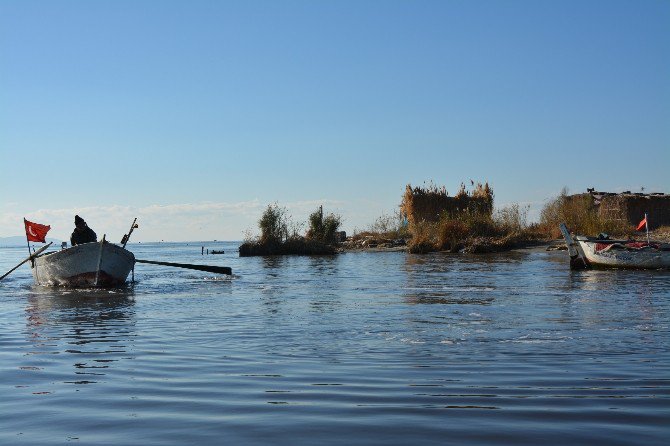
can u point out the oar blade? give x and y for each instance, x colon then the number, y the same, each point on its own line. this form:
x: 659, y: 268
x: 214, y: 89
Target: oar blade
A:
x: 207, y: 268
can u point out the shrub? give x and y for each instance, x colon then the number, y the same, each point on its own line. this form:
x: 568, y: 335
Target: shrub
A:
x: 451, y: 234
x: 273, y: 224
x: 580, y: 214
x: 323, y: 229
x: 279, y: 236
x: 423, y: 237
x: 511, y: 218
x: 392, y: 226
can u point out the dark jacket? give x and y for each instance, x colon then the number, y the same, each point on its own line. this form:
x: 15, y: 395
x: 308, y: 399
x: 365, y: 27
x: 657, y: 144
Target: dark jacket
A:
x: 85, y: 235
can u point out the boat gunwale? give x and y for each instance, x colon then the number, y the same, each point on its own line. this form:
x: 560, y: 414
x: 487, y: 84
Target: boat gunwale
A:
x: 48, y: 256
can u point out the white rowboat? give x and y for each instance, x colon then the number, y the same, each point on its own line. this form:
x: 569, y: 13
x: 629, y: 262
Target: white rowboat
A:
x: 587, y: 252
x: 96, y: 264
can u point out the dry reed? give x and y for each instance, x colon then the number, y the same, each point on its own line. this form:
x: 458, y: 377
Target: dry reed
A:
x: 580, y: 214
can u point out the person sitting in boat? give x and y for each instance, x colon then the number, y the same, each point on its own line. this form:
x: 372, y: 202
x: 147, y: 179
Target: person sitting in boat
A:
x: 82, y: 233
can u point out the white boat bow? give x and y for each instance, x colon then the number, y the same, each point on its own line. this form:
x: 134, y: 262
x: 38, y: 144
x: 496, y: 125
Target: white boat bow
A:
x: 96, y: 264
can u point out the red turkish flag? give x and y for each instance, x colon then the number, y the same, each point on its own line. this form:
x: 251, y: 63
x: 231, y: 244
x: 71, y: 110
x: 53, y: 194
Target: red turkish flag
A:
x: 35, y: 231
x: 643, y: 223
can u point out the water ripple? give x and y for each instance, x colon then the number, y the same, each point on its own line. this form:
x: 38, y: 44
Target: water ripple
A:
x: 360, y: 348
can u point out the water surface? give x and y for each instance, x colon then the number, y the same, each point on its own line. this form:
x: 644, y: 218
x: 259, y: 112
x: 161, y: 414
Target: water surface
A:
x: 361, y: 348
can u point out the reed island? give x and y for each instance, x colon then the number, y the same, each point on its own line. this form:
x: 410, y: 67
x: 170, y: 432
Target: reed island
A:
x: 429, y: 219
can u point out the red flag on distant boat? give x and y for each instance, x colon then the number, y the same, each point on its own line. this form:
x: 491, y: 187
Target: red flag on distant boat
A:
x: 36, y: 232
x: 642, y: 224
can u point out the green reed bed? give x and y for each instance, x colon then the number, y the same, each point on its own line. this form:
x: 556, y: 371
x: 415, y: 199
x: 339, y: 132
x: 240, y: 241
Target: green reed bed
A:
x: 280, y: 236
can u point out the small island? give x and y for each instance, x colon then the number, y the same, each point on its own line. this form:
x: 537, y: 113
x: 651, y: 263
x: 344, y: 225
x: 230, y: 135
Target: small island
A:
x: 280, y: 237
x: 428, y: 219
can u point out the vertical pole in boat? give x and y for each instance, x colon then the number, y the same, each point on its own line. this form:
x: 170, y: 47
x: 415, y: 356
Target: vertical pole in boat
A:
x: 32, y: 259
x: 126, y: 237
x: 97, y: 270
x: 646, y: 225
x: 27, y: 241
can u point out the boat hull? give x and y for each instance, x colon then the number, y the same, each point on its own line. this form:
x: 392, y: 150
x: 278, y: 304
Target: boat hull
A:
x: 86, y: 265
x: 645, y: 258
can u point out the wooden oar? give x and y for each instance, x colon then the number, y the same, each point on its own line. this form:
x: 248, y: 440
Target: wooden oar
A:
x: 30, y: 257
x: 207, y: 268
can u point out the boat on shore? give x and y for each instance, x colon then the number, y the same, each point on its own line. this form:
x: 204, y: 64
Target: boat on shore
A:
x: 603, y: 252
x: 95, y: 264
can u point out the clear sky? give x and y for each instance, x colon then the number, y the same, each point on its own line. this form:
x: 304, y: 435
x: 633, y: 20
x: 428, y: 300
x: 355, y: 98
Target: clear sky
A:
x: 194, y: 115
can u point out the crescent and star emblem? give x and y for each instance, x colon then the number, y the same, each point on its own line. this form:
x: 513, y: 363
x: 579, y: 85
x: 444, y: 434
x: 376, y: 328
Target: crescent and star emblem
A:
x: 31, y: 232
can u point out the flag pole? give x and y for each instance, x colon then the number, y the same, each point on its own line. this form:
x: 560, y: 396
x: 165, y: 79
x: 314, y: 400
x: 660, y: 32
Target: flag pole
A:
x: 27, y: 241
x: 646, y: 225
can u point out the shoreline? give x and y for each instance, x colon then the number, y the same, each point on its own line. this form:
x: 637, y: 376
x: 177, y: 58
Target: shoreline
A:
x: 369, y: 242
x: 549, y: 245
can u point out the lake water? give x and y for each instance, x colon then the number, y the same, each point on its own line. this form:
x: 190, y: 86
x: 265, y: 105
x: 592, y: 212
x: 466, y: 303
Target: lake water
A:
x: 361, y: 348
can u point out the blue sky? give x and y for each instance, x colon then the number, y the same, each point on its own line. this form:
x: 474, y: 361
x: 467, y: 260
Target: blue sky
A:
x: 194, y: 115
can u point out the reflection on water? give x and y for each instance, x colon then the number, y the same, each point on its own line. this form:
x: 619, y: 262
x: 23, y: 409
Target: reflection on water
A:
x: 92, y: 327
x: 446, y: 278
x: 598, y: 280
x: 364, y: 348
